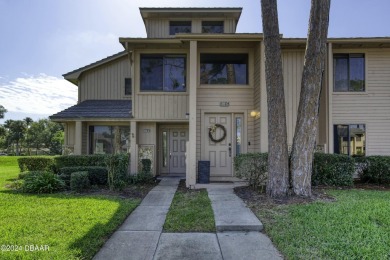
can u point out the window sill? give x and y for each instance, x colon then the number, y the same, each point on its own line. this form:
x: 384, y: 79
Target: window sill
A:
x: 161, y: 93
x: 225, y: 86
x: 363, y: 93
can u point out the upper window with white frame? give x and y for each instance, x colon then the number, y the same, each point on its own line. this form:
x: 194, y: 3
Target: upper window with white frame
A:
x: 161, y: 72
x: 224, y: 68
x: 179, y: 27
x: 212, y: 27
x: 349, y: 72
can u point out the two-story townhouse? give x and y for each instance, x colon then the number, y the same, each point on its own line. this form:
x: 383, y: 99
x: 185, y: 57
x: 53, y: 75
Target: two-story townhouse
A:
x: 194, y: 90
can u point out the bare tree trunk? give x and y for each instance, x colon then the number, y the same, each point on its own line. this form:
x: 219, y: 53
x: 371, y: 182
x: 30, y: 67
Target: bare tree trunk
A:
x: 306, y: 129
x: 231, y: 74
x: 278, y: 168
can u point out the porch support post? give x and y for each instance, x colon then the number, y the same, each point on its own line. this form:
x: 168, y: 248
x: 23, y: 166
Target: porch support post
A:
x: 133, y: 148
x: 330, y: 99
x: 78, y: 138
x: 263, y: 104
x: 191, y: 149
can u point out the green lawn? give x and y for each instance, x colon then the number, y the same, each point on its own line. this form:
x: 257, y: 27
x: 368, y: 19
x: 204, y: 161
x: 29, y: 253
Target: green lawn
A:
x: 356, y: 226
x: 73, y: 226
x: 190, y: 211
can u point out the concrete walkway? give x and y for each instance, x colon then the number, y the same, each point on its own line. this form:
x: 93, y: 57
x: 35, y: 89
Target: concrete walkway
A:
x: 237, y: 237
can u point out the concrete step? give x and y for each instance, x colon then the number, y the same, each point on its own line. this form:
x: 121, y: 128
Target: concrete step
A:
x: 231, y: 213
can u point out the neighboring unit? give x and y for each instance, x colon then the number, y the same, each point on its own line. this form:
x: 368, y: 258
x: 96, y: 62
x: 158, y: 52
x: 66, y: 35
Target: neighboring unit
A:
x: 194, y: 90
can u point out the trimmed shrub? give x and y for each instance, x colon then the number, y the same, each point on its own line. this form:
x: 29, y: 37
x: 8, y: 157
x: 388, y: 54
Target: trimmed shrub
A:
x: 97, y: 175
x: 141, y: 178
x: 252, y: 167
x: 79, y: 181
x: 24, y: 175
x: 80, y: 160
x: 117, y: 166
x: 36, y: 163
x: 42, y: 182
x: 333, y: 170
x: 376, y: 170
x: 146, y: 165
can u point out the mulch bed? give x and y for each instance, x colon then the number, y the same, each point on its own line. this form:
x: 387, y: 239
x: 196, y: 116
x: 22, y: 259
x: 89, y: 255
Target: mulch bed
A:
x: 255, y: 197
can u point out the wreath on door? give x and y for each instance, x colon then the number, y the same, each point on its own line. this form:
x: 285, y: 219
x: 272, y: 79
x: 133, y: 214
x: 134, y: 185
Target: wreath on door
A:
x: 213, y: 129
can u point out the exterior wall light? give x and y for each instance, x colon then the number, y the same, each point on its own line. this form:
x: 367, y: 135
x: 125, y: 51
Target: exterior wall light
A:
x: 255, y: 114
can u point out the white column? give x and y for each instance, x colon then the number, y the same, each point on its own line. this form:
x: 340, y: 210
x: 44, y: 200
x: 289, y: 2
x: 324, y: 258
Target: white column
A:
x: 263, y: 104
x: 133, y: 148
x: 78, y: 138
x: 191, y: 149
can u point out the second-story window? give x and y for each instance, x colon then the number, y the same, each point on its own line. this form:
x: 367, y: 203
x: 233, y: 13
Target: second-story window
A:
x: 163, y: 73
x: 128, y: 88
x: 224, y: 68
x: 212, y: 27
x: 349, y: 73
x: 179, y: 27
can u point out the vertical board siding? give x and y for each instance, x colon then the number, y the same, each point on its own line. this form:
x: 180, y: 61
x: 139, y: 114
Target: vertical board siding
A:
x: 157, y: 28
x: 257, y: 100
x: 106, y: 82
x: 292, y: 74
x: 161, y: 106
x: 372, y: 107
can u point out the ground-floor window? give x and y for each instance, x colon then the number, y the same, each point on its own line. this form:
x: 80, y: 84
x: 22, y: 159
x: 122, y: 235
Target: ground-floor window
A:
x: 350, y: 139
x: 109, y: 139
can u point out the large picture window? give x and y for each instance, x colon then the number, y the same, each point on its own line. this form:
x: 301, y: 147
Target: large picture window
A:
x: 109, y: 139
x: 224, y: 68
x: 350, y: 139
x: 179, y: 27
x: 163, y: 73
x: 349, y: 72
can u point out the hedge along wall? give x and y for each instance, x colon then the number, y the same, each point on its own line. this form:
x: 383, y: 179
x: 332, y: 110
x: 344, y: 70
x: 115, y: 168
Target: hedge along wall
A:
x: 97, y: 175
x: 328, y: 169
x: 80, y: 160
x: 376, y: 169
x: 333, y: 169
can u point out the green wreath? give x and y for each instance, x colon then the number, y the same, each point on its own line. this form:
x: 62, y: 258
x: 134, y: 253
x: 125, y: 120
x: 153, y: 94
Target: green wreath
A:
x: 213, y: 129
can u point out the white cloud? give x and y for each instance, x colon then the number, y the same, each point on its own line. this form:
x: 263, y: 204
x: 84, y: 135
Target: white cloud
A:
x: 41, y: 94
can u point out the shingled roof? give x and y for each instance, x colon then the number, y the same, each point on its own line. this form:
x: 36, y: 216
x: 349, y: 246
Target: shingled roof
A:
x: 96, y: 109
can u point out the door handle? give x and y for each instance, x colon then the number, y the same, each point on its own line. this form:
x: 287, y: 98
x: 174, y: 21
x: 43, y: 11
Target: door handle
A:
x: 170, y: 155
x: 230, y: 150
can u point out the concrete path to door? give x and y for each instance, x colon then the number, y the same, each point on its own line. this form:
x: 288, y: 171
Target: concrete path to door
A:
x: 238, y: 233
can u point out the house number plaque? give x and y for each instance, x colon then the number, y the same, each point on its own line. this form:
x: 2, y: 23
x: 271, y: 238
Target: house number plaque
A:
x: 224, y: 104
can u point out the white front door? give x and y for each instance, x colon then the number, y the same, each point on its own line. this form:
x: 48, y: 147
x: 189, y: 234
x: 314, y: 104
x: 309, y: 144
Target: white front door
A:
x: 219, y: 152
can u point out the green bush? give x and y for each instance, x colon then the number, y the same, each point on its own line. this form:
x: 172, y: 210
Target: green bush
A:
x: 252, y: 167
x: 141, y: 178
x: 97, y: 175
x: 146, y: 165
x: 23, y: 175
x: 79, y: 181
x: 376, y: 170
x: 80, y: 160
x: 42, y: 182
x: 117, y: 166
x: 333, y: 169
x: 36, y: 163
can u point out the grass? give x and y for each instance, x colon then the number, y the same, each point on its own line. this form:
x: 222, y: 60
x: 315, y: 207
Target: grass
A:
x: 73, y: 226
x: 356, y: 226
x: 190, y: 211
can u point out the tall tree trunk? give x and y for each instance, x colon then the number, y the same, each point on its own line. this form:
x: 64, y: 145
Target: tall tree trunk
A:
x: 306, y: 129
x: 231, y: 74
x: 278, y: 168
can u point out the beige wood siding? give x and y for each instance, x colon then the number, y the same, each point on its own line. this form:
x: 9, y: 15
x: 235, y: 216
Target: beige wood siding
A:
x: 161, y: 106
x: 157, y: 28
x: 106, y: 81
x: 229, y: 26
x: 256, y: 94
x: 372, y: 107
x: 292, y: 74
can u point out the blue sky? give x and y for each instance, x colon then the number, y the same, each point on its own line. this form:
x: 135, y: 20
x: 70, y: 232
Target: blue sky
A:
x: 43, y: 39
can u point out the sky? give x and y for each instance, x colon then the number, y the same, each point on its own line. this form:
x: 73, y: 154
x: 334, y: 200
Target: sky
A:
x: 43, y: 39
